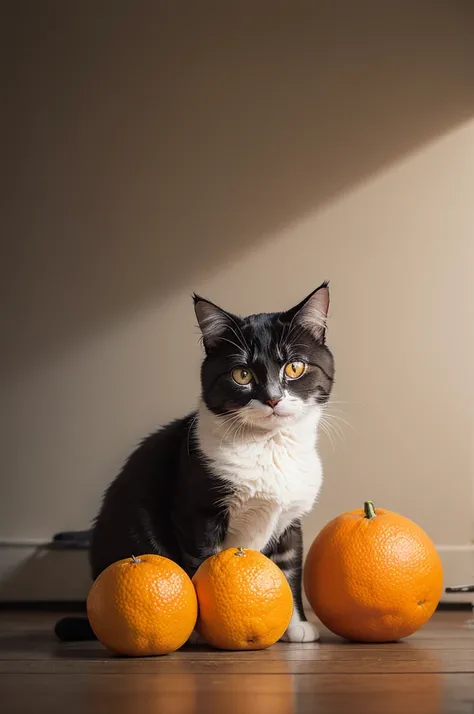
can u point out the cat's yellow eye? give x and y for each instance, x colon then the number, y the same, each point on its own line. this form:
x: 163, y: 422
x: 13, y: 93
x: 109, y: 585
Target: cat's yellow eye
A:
x: 242, y: 376
x: 295, y: 370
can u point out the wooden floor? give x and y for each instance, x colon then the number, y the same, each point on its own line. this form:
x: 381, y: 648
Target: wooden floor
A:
x: 430, y: 673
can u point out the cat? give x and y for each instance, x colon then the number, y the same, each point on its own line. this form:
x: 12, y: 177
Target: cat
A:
x: 244, y: 468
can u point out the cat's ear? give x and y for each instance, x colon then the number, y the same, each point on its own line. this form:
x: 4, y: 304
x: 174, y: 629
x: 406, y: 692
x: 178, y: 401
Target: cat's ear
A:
x: 312, y: 312
x: 213, y: 321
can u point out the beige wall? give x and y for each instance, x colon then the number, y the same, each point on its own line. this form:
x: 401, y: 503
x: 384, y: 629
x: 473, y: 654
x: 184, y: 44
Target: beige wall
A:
x: 245, y: 152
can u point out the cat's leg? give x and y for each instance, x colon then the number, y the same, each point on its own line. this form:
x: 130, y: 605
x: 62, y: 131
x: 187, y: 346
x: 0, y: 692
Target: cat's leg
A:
x: 196, y: 639
x: 198, y: 543
x: 288, y: 555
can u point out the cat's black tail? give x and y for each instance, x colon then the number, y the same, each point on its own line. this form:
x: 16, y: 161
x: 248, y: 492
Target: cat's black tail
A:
x: 73, y: 629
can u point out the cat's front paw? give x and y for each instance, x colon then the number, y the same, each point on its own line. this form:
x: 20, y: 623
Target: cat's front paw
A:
x: 301, y: 632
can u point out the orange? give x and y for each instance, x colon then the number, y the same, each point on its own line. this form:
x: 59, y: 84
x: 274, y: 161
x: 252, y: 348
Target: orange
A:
x: 373, y: 576
x: 142, y: 606
x: 245, y: 601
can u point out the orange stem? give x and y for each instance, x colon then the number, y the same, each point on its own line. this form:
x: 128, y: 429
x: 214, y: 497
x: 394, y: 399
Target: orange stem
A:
x: 369, y: 510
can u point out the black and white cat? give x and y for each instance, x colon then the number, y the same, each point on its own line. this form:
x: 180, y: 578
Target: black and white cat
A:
x: 244, y: 468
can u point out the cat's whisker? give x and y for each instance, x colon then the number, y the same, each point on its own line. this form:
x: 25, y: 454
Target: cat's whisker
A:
x: 226, y: 424
x: 225, y: 418
x: 237, y: 347
x: 333, y: 420
x: 282, y: 339
x: 299, y: 344
x: 228, y: 428
x: 240, y: 338
x: 240, y: 432
x: 250, y: 430
x: 243, y: 341
x: 299, y: 331
x: 233, y: 429
x: 328, y: 434
x: 339, y: 418
x: 236, y: 434
x: 336, y: 429
x: 336, y: 419
x: 230, y: 424
x: 339, y: 401
x: 332, y: 440
x: 228, y: 431
x: 231, y: 434
x: 290, y: 327
x: 337, y: 434
x: 330, y: 405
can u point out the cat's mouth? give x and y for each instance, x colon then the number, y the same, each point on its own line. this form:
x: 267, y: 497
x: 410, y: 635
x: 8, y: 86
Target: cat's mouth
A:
x: 278, y: 415
x: 272, y: 417
x: 264, y: 416
x: 273, y: 413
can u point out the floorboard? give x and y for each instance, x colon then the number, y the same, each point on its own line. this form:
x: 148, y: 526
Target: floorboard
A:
x: 431, y: 672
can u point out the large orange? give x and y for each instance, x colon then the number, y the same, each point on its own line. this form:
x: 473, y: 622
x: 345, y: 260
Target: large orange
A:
x: 373, y: 576
x: 245, y: 601
x: 142, y: 606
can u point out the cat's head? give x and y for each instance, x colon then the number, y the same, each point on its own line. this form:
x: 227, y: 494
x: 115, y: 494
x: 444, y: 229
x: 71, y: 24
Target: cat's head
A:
x: 267, y: 369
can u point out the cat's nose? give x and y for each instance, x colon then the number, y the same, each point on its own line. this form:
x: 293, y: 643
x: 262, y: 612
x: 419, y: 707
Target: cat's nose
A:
x: 273, y: 402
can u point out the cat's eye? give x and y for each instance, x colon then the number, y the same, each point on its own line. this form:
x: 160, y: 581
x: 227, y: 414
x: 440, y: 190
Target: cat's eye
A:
x: 295, y: 370
x: 242, y: 376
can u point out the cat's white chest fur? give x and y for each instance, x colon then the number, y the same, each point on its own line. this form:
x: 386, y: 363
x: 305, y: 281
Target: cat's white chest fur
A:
x: 275, y: 477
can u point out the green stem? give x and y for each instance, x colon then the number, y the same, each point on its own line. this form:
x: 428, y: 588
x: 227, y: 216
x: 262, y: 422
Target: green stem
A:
x: 369, y: 510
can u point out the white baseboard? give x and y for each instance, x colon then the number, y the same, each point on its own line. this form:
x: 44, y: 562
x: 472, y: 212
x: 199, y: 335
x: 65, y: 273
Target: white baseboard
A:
x: 37, y: 573
x: 458, y: 567
x: 31, y: 572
